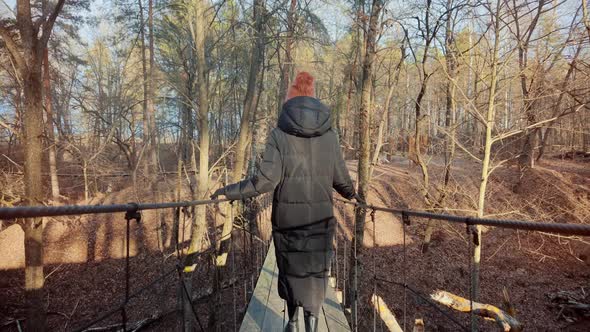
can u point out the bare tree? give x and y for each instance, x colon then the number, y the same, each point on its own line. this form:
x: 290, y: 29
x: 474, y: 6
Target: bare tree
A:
x: 27, y: 51
x: 147, y: 63
x: 451, y: 64
x: 364, y: 146
x: 198, y: 28
x: 51, y: 142
x: 385, y: 116
x: 249, y: 112
x: 523, y: 36
x: 428, y: 27
x: 287, y: 65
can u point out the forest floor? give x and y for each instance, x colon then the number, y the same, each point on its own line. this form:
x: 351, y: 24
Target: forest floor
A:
x: 533, y: 267
x: 85, y: 267
x: 84, y: 260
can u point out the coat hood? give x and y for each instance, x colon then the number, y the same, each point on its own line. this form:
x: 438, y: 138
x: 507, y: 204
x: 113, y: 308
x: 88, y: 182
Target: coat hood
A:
x: 305, y: 117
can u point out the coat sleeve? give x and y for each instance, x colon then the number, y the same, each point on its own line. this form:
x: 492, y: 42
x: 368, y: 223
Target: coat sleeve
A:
x: 342, y: 181
x: 266, y: 177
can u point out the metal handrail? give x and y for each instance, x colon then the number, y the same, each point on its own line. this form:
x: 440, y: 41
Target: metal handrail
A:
x: 66, y: 210
x: 51, y: 211
x: 559, y: 228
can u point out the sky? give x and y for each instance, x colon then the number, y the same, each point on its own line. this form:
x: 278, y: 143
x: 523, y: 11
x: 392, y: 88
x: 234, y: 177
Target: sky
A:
x: 330, y: 11
x: 334, y: 13
x: 6, y: 7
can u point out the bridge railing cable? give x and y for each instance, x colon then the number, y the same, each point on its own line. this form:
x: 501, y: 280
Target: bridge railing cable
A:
x: 133, y: 212
x: 68, y: 210
x: 549, y: 227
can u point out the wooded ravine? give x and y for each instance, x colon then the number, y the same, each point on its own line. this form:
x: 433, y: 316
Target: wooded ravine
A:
x: 476, y: 108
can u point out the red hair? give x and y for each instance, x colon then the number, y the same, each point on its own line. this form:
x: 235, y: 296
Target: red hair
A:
x: 302, y: 86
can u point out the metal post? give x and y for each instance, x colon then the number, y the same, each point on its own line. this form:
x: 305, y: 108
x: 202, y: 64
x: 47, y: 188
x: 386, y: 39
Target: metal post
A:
x: 405, y: 221
x: 233, y: 270
x: 355, y: 280
x: 129, y: 215
x: 472, y: 231
x: 374, y: 268
x: 187, y: 295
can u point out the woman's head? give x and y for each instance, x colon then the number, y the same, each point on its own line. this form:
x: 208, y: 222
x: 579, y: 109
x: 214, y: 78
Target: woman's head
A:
x: 302, y: 86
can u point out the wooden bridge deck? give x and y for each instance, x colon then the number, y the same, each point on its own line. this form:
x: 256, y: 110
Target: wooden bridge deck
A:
x: 268, y: 312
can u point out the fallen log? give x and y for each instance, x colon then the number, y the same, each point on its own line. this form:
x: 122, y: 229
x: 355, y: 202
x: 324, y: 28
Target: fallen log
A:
x: 132, y: 326
x: 504, y: 320
x: 418, y: 325
x: 573, y: 305
x: 386, y: 315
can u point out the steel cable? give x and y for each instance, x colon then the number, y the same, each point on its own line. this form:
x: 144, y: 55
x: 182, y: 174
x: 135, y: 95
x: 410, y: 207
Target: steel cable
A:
x: 405, y: 221
x: 559, y: 228
x: 7, y: 213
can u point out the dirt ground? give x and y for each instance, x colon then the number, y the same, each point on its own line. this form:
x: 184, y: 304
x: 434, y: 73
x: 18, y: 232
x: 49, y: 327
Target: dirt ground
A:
x: 531, y: 266
x: 85, y: 265
x: 85, y: 268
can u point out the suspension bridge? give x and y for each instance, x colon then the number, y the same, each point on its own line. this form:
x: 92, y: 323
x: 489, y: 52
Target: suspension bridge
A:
x: 265, y: 310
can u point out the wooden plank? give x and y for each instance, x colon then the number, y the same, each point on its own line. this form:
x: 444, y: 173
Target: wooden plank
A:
x: 322, y: 323
x: 334, y: 315
x: 254, y: 317
x: 267, y: 311
x: 275, y: 317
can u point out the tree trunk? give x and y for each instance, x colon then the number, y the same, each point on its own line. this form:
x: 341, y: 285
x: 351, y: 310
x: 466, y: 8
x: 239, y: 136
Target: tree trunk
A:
x: 451, y: 65
x: 51, y: 143
x: 133, y: 148
x: 33, y: 133
x: 152, y: 154
x: 348, y: 132
x: 421, y: 116
x: 28, y: 60
x: 557, y: 107
x: 151, y: 113
x: 485, y: 167
x: 188, y: 125
x: 385, y: 116
x: 250, y: 100
x: 287, y: 66
x: 526, y: 159
x: 144, y: 67
x: 198, y: 26
x: 451, y: 109
x: 364, y: 153
x: 420, y: 128
x: 249, y: 113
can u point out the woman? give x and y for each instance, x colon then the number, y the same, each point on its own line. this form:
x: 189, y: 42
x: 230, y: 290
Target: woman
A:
x: 301, y: 164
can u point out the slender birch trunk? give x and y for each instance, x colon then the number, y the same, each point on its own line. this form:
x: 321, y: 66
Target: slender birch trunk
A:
x: 198, y: 28
x: 51, y: 142
x: 485, y: 167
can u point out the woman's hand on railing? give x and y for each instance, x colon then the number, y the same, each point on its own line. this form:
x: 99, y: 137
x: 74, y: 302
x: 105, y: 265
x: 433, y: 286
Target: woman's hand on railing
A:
x: 359, y: 199
x: 219, y: 192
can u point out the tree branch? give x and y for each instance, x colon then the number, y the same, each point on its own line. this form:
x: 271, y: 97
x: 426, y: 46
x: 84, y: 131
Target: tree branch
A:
x: 8, y: 8
x: 12, y: 48
x: 8, y: 127
x: 48, y: 25
x: 535, y: 125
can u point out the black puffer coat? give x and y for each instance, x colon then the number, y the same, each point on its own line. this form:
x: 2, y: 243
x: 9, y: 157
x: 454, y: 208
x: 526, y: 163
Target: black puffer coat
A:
x: 302, y: 163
